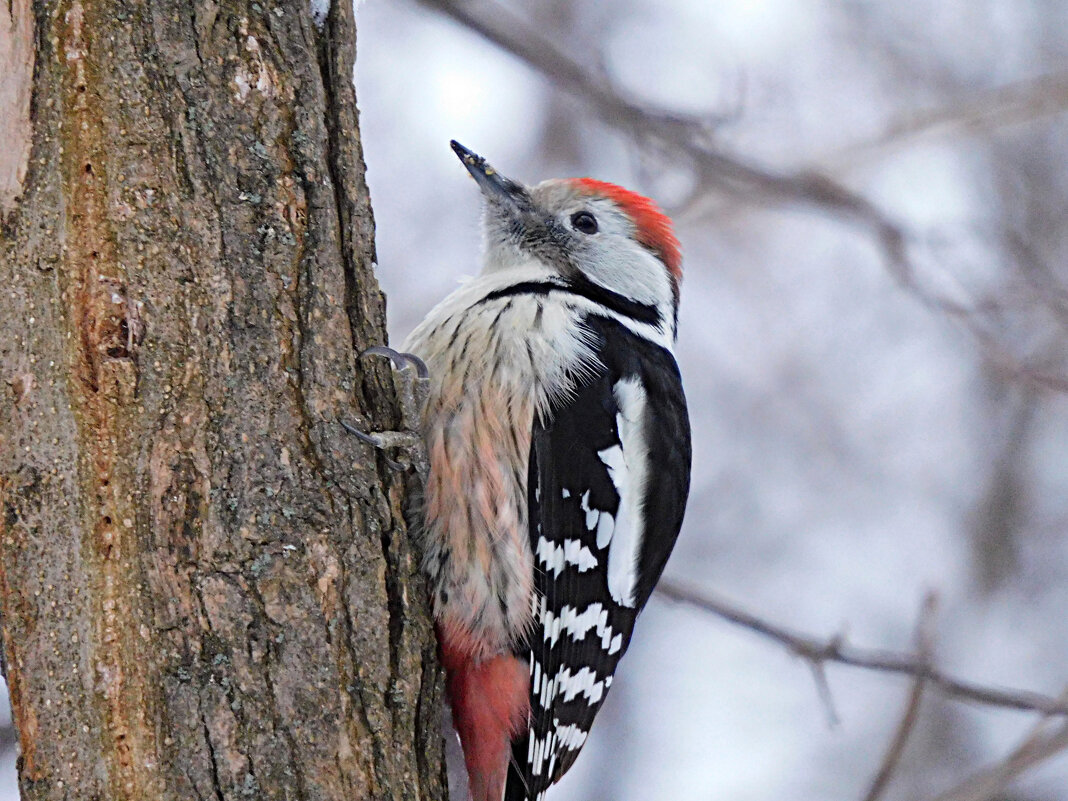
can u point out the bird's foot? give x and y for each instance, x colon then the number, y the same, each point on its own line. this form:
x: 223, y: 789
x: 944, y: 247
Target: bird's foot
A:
x: 412, y: 380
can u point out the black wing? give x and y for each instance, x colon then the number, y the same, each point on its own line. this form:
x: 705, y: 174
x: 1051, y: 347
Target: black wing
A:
x: 609, y: 476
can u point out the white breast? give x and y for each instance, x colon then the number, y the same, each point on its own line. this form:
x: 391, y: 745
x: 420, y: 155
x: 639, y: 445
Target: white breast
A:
x: 493, y: 365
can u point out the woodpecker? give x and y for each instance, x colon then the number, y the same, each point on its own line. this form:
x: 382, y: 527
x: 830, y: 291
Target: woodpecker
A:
x: 559, y: 463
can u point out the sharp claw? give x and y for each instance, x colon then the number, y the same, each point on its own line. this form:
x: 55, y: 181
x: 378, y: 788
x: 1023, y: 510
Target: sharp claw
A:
x: 399, y: 359
x: 362, y: 437
x: 395, y: 466
x: 412, y: 396
x: 399, y: 467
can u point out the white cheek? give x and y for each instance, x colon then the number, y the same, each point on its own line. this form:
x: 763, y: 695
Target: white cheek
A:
x: 629, y: 269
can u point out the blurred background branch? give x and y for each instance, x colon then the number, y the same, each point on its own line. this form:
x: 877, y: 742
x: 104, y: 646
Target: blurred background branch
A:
x: 981, y: 113
x: 1046, y: 740
x: 1042, y: 743
x: 911, y: 714
x: 835, y: 649
x: 675, y: 135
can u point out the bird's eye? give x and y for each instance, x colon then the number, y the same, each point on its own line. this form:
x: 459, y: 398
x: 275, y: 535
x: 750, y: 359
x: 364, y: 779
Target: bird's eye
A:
x: 584, y: 221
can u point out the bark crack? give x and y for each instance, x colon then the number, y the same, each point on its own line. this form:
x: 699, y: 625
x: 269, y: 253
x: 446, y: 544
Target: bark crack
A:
x: 337, y: 178
x: 216, y: 784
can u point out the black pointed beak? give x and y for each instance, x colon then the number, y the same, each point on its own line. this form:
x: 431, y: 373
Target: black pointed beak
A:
x: 493, y: 185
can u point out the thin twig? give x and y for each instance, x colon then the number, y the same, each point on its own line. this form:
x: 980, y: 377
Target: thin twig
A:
x: 1040, y: 744
x: 924, y: 651
x: 983, y: 111
x: 823, y: 688
x: 835, y: 649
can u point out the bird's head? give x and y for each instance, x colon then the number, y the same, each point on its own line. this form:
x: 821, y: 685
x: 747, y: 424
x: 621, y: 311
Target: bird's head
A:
x: 582, y: 230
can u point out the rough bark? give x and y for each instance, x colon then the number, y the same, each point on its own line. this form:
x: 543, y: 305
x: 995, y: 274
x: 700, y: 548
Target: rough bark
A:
x: 206, y: 586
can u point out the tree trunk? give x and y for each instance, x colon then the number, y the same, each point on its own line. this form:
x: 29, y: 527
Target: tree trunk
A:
x: 207, y: 588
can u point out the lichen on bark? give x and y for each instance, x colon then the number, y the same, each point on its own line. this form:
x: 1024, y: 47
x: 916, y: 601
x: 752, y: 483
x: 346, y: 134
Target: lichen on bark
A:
x: 206, y: 585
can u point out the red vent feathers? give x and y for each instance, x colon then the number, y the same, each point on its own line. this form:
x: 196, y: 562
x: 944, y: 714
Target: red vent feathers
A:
x: 653, y: 226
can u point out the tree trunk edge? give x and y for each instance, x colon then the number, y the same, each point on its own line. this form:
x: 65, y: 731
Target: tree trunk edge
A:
x: 175, y: 723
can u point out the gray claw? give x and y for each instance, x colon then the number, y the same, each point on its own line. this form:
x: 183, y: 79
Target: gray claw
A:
x: 412, y: 387
x: 377, y: 441
x: 362, y: 437
x: 401, y: 360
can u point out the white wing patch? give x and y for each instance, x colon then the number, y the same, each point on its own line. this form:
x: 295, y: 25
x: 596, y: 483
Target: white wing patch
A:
x: 570, y: 552
x: 536, y: 751
x: 583, y: 681
x: 616, y: 556
x: 628, y: 467
x: 591, y: 514
x: 597, y: 520
x: 569, y: 685
x: 570, y: 737
x: 605, y: 525
x: 577, y: 624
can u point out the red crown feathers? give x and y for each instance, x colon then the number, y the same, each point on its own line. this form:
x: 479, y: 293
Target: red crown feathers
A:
x: 654, y: 228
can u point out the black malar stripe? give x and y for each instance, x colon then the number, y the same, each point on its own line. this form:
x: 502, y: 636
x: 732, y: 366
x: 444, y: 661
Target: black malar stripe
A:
x: 585, y: 288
